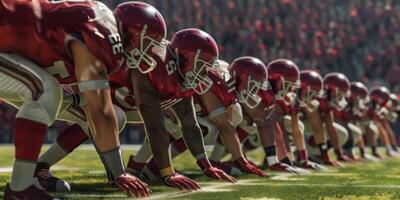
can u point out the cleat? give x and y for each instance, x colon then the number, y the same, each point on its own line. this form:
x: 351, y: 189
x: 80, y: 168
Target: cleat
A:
x: 30, y: 193
x: 49, y: 182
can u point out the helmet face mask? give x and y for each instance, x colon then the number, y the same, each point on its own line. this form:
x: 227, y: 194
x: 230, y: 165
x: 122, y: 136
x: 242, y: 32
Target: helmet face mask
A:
x: 140, y: 58
x: 338, y: 99
x: 288, y: 88
x: 249, y: 95
x: 197, y: 78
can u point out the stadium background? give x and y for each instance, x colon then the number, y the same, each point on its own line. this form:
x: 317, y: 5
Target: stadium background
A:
x: 360, y: 38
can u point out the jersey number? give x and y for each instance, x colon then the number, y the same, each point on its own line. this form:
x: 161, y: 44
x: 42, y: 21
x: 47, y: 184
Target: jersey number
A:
x: 171, y: 67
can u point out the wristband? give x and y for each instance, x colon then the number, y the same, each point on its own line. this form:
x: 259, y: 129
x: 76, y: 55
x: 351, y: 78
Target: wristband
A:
x: 200, y: 156
x: 167, y: 171
x: 204, y: 164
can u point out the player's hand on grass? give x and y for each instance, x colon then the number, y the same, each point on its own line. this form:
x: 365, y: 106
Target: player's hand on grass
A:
x: 249, y: 167
x: 132, y: 185
x: 344, y: 158
x: 282, y: 167
x: 327, y: 161
x: 181, y: 182
x: 312, y: 165
x: 214, y: 172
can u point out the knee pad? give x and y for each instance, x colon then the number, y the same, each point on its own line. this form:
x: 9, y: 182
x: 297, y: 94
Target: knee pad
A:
x: 251, y: 142
x: 121, y: 117
x: 356, y: 132
x: 249, y: 129
x: 235, y: 114
x: 342, y: 132
x: 374, y: 129
x: 287, y: 123
x: 209, y: 130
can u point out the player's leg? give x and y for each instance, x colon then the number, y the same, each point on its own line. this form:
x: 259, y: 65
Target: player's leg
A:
x: 41, y: 95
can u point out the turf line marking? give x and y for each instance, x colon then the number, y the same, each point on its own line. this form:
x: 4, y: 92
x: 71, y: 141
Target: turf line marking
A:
x: 218, y: 185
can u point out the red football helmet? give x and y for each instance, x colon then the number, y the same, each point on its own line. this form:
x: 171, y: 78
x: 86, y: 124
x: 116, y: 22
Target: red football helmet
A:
x: 379, y: 96
x: 359, y: 96
x: 143, y: 32
x: 337, y: 88
x: 310, y: 87
x: 395, y: 102
x: 250, y: 76
x: 195, y: 53
x: 283, y: 76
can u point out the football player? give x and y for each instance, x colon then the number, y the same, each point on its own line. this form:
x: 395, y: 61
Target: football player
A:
x: 350, y: 118
x: 311, y: 87
x: 391, y: 117
x: 53, y: 43
x: 173, y: 91
x: 336, y: 88
x: 259, y: 103
x: 218, y: 114
x: 379, y: 101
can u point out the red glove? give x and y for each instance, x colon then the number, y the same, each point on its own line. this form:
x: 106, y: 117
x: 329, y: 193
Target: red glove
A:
x: 312, y: 165
x: 214, y: 172
x: 249, y: 167
x: 327, y: 161
x: 282, y: 167
x: 132, y: 185
x: 181, y: 182
x: 342, y: 157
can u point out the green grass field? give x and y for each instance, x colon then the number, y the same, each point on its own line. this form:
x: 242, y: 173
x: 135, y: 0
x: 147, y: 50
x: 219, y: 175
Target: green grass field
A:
x: 374, y: 180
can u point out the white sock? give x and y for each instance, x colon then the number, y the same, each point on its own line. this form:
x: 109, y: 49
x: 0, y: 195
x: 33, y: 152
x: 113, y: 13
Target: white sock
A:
x: 53, y: 155
x: 22, y: 175
x: 272, y: 160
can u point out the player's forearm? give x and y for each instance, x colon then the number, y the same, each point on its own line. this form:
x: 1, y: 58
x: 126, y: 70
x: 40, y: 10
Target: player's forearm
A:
x: 297, y: 134
x: 232, y: 143
x: 194, y: 140
x: 333, y: 136
x: 159, y: 142
x: 391, y: 133
x: 316, y: 126
x: 102, y: 119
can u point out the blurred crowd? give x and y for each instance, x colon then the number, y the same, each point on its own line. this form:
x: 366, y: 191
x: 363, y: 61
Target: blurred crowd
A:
x: 360, y: 38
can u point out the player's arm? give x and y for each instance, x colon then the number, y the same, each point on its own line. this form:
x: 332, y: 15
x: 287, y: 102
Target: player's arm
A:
x: 297, y: 133
x: 314, y: 118
x: 219, y: 117
x: 333, y: 135
x: 148, y: 102
x: 91, y: 75
x: 193, y: 137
